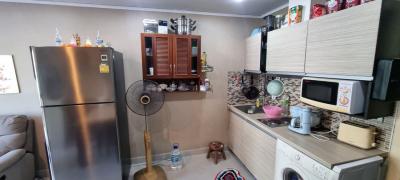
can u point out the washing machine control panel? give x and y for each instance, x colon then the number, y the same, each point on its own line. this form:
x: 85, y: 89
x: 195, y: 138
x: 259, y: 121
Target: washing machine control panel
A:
x: 304, y: 162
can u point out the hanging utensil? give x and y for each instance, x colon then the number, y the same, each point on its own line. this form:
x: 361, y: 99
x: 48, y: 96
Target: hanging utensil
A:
x: 193, y: 28
x: 245, y: 89
x: 253, y: 92
x: 192, y: 22
x: 173, y: 21
x: 275, y: 88
x: 174, y: 25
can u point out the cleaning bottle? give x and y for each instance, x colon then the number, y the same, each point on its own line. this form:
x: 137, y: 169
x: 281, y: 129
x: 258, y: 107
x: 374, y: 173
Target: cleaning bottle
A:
x: 259, y: 102
x: 176, y: 157
x: 203, y: 59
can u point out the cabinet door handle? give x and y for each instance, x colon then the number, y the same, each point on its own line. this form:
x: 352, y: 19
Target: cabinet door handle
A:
x: 174, y: 67
x: 170, y: 68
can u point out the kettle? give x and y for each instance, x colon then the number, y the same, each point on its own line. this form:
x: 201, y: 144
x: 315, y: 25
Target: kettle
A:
x: 303, y: 119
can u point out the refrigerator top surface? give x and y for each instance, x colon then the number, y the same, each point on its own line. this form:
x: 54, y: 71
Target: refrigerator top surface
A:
x: 69, y: 75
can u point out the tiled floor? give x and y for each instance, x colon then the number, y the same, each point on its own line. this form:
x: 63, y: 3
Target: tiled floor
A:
x: 197, y: 167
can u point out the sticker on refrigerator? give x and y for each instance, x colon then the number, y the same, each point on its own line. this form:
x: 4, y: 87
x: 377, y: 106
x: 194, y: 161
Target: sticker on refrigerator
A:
x: 104, y: 68
x: 104, y: 57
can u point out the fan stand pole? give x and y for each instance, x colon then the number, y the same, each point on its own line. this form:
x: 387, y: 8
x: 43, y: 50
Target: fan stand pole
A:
x: 150, y: 172
x: 149, y: 157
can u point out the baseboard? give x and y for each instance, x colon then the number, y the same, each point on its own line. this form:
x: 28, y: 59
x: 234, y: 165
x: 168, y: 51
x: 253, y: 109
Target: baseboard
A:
x: 138, y: 161
x: 141, y: 160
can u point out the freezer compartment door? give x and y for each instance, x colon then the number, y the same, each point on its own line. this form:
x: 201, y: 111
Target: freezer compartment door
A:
x: 71, y: 75
x: 82, y: 142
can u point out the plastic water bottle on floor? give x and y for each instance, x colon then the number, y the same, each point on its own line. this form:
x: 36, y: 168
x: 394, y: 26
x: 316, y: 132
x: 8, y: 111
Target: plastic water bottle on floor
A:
x: 176, y: 157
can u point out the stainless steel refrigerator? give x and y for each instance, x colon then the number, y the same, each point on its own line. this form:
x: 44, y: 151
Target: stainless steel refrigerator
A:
x: 81, y: 94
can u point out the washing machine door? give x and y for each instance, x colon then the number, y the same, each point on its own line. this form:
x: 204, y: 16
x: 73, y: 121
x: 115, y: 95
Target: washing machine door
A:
x: 291, y: 171
x: 291, y: 174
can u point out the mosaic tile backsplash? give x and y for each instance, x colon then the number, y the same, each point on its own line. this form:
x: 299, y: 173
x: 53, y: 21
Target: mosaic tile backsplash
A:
x: 329, y: 119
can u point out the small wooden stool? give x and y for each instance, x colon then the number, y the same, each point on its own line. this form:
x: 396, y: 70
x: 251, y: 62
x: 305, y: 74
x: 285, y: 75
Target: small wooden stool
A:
x: 216, y: 149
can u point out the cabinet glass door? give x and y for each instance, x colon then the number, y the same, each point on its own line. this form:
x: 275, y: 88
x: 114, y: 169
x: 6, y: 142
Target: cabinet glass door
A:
x: 149, y: 60
x: 194, y: 56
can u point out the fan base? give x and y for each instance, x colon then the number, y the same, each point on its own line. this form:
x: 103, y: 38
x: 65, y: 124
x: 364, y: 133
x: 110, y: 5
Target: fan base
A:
x: 157, y: 173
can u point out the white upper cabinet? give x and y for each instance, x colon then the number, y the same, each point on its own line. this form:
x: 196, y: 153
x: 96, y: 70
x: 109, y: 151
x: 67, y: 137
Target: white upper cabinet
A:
x: 344, y: 43
x: 253, y: 53
x: 286, y: 49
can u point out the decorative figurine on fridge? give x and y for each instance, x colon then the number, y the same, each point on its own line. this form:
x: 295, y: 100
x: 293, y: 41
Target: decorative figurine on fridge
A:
x: 58, y: 38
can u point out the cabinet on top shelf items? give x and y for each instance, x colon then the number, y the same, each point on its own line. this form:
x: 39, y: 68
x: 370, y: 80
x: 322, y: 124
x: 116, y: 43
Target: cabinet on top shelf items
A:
x: 169, y: 56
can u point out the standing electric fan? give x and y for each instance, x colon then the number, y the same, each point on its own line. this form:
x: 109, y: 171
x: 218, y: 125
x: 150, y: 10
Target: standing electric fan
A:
x: 146, y: 98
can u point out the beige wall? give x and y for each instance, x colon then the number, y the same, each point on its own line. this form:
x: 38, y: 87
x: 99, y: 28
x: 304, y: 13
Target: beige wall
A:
x: 394, y: 155
x: 191, y: 119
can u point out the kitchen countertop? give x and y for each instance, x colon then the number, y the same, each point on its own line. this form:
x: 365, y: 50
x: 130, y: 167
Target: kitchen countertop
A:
x: 328, y: 153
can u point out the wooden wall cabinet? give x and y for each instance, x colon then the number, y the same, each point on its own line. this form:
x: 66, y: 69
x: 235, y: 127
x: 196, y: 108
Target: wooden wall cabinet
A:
x: 286, y: 49
x: 344, y: 43
x: 253, y: 147
x: 169, y: 56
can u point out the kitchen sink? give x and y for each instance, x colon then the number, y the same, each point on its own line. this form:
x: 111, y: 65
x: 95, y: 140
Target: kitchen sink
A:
x: 250, y: 109
x: 276, y: 122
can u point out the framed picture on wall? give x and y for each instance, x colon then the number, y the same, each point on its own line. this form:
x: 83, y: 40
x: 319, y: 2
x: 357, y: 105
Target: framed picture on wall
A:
x: 8, y: 76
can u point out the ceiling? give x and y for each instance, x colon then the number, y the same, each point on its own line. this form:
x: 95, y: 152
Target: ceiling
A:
x: 250, y: 8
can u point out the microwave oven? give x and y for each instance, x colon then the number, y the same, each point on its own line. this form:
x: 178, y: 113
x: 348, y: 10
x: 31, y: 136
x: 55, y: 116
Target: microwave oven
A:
x: 336, y: 95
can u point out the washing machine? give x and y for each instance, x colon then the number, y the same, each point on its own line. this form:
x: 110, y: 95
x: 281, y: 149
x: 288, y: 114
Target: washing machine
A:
x: 291, y: 164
